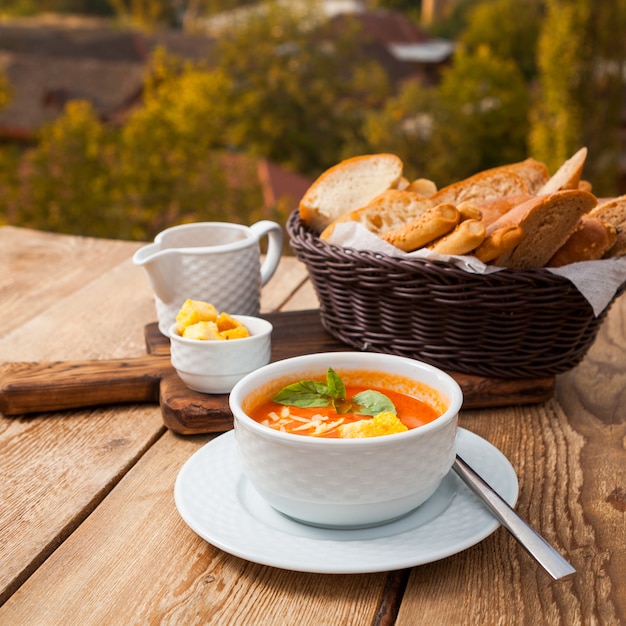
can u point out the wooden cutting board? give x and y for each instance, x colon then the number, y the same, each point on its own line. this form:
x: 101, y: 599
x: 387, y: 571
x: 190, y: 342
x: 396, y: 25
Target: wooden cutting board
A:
x: 27, y: 388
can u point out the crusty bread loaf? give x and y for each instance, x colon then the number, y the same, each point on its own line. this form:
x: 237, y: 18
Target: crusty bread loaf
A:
x: 387, y: 211
x: 347, y: 186
x: 467, y: 236
x: 548, y: 221
x: 534, y: 173
x: 499, y: 242
x: 614, y: 212
x: 483, y: 186
x: 567, y: 176
x: 591, y: 239
x: 432, y: 224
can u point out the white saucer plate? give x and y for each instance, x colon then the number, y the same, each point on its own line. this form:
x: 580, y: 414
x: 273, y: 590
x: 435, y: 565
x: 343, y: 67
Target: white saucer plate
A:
x: 219, y: 504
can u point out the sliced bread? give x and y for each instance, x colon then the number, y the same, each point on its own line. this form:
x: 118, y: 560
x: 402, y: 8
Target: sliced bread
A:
x: 589, y: 241
x: 387, y: 211
x: 567, y: 176
x: 547, y: 221
x: 347, y: 186
x: 614, y: 212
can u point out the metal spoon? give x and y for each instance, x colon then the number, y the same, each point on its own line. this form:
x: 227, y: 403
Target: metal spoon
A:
x: 551, y: 561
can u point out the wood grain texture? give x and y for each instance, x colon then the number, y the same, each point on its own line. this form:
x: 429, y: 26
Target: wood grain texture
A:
x: 571, y: 464
x: 36, y: 387
x: 49, y: 266
x: 90, y: 533
x: 182, y: 580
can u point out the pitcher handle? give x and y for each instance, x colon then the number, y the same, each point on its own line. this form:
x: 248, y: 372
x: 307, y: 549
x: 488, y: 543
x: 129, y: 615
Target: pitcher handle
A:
x: 274, y: 234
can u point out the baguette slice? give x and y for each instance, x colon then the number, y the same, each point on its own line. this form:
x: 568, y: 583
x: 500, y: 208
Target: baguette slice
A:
x: 614, y: 212
x: 494, y: 183
x: 491, y: 210
x: 467, y: 236
x: 387, y: 211
x: 499, y: 242
x: 567, y: 176
x: 591, y: 239
x: 434, y: 223
x: 349, y: 185
x: 548, y: 221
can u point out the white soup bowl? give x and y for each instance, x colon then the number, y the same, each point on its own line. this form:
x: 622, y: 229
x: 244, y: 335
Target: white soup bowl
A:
x: 340, y: 483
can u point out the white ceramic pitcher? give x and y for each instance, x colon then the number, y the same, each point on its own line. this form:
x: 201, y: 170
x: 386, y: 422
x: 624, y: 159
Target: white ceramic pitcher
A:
x: 217, y: 262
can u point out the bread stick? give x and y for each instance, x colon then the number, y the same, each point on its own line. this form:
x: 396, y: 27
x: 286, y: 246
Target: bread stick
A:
x: 434, y: 223
x: 469, y: 211
x: 467, y: 236
x: 498, y: 242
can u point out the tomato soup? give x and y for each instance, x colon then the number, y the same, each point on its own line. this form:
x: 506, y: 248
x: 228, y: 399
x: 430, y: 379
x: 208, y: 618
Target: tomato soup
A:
x: 325, y: 421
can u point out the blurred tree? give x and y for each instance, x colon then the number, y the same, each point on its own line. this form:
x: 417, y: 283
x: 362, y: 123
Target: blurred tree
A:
x: 147, y: 13
x: 509, y: 27
x: 582, y: 85
x: 475, y: 119
x: 5, y: 90
x: 482, y: 116
x: 297, y: 95
x: 171, y: 163
x: 64, y: 183
x: 33, y: 7
x: 403, y: 126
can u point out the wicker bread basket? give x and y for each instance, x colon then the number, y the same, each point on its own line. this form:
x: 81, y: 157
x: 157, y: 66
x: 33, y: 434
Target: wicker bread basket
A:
x: 508, y: 324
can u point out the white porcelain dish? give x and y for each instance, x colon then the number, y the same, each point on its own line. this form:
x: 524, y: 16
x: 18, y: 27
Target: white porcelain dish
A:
x: 218, y: 502
x: 214, y: 366
x: 347, y: 482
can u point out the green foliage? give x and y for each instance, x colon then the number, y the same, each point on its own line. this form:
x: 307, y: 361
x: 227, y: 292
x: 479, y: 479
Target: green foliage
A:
x: 24, y: 8
x: 295, y: 97
x: 509, y: 28
x: 475, y: 119
x: 147, y: 13
x: 481, y: 119
x: 6, y: 91
x: 581, y: 87
x: 63, y: 182
x: 307, y: 99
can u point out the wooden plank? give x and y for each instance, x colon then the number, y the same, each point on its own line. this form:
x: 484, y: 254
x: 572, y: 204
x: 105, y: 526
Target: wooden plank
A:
x: 50, y: 266
x: 117, y: 568
x: 289, y: 278
x: 75, y: 296
x: 33, y: 387
x: 57, y: 467
x: 571, y: 465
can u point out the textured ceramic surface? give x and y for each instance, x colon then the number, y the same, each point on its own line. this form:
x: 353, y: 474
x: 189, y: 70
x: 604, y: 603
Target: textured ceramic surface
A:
x: 218, y: 502
x: 215, y: 366
x: 216, y: 262
x: 345, y: 482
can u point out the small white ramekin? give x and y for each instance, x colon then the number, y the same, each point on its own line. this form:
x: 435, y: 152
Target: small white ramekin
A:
x: 214, y: 366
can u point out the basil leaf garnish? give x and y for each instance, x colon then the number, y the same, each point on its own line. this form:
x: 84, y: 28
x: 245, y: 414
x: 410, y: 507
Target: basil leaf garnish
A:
x: 305, y: 393
x: 309, y: 393
x: 372, y: 403
x: 336, y: 388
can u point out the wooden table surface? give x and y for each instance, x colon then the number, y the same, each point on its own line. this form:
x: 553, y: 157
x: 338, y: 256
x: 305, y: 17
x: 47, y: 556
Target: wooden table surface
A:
x: 89, y: 532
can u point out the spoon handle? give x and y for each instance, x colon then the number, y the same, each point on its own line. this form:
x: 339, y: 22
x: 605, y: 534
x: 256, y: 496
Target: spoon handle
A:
x: 551, y: 561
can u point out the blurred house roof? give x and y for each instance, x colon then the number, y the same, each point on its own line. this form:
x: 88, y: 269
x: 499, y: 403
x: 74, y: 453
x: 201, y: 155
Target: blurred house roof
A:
x: 50, y: 62
x: 280, y: 185
x: 42, y: 85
